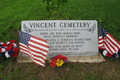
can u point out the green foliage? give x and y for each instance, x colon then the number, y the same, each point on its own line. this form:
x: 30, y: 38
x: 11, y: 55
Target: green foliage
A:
x: 54, y: 7
x: 53, y: 4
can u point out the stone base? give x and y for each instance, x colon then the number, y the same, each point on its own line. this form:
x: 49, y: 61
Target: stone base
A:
x: 89, y: 59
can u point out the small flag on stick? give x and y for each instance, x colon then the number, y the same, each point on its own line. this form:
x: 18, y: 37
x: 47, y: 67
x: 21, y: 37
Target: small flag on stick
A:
x: 34, y: 47
x: 108, y: 42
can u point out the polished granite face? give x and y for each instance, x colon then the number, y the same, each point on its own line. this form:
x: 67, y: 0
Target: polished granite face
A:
x: 70, y: 38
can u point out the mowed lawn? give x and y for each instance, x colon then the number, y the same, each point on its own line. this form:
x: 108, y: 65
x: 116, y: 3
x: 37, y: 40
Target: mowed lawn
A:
x: 12, y: 12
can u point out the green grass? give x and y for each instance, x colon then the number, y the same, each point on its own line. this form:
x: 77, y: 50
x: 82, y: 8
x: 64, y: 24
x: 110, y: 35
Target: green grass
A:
x: 12, y: 12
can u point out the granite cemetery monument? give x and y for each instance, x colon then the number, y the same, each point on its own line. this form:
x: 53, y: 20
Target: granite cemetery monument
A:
x: 71, y: 38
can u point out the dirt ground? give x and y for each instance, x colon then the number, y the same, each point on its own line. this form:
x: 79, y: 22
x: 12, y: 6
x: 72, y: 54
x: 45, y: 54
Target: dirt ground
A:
x: 107, y: 70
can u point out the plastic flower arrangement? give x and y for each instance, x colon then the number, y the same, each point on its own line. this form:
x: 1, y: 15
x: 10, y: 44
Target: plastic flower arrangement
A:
x: 8, y: 49
x: 58, y: 60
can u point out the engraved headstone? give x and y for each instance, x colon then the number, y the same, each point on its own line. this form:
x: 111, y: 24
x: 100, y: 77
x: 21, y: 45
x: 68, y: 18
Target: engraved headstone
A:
x: 71, y: 38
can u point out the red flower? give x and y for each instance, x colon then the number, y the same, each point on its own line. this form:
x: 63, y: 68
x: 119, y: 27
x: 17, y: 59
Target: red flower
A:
x: 8, y: 48
x: 64, y: 58
x: 109, y: 55
x: 4, y: 44
x: 53, y: 63
x: 60, y: 56
x: 11, y: 45
x: 55, y: 58
x: 13, y: 41
x: 15, y: 52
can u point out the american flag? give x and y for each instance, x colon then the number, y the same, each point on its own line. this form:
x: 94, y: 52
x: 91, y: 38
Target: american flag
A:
x: 34, y: 47
x: 107, y: 42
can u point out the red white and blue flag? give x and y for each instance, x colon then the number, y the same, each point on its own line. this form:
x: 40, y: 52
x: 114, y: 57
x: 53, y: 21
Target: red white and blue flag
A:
x: 107, y: 42
x: 34, y: 47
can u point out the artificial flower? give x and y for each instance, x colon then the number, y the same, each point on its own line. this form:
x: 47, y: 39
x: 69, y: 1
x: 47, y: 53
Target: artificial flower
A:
x: 109, y: 55
x: 64, y: 59
x: 59, y: 62
x: 2, y: 50
x: 8, y: 48
x: 3, y: 44
x: 10, y: 52
x: 60, y: 56
x: 15, y: 52
x: 55, y: 58
x: 12, y: 41
x: 53, y: 63
x: 105, y: 52
x: 12, y: 45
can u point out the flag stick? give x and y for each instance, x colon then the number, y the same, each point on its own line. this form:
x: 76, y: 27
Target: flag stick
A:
x: 100, y: 20
x: 97, y: 57
x: 19, y: 52
x: 17, y: 28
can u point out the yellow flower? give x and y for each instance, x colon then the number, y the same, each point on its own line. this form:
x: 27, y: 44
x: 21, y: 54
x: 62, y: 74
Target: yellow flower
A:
x: 59, y: 62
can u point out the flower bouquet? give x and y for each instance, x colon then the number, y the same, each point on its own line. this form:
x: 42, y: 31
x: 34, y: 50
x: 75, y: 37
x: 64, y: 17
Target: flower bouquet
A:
x: 58, y: 60
x: 8, y: 49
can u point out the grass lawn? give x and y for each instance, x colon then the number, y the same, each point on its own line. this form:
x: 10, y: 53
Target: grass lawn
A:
x: 12, y: 12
